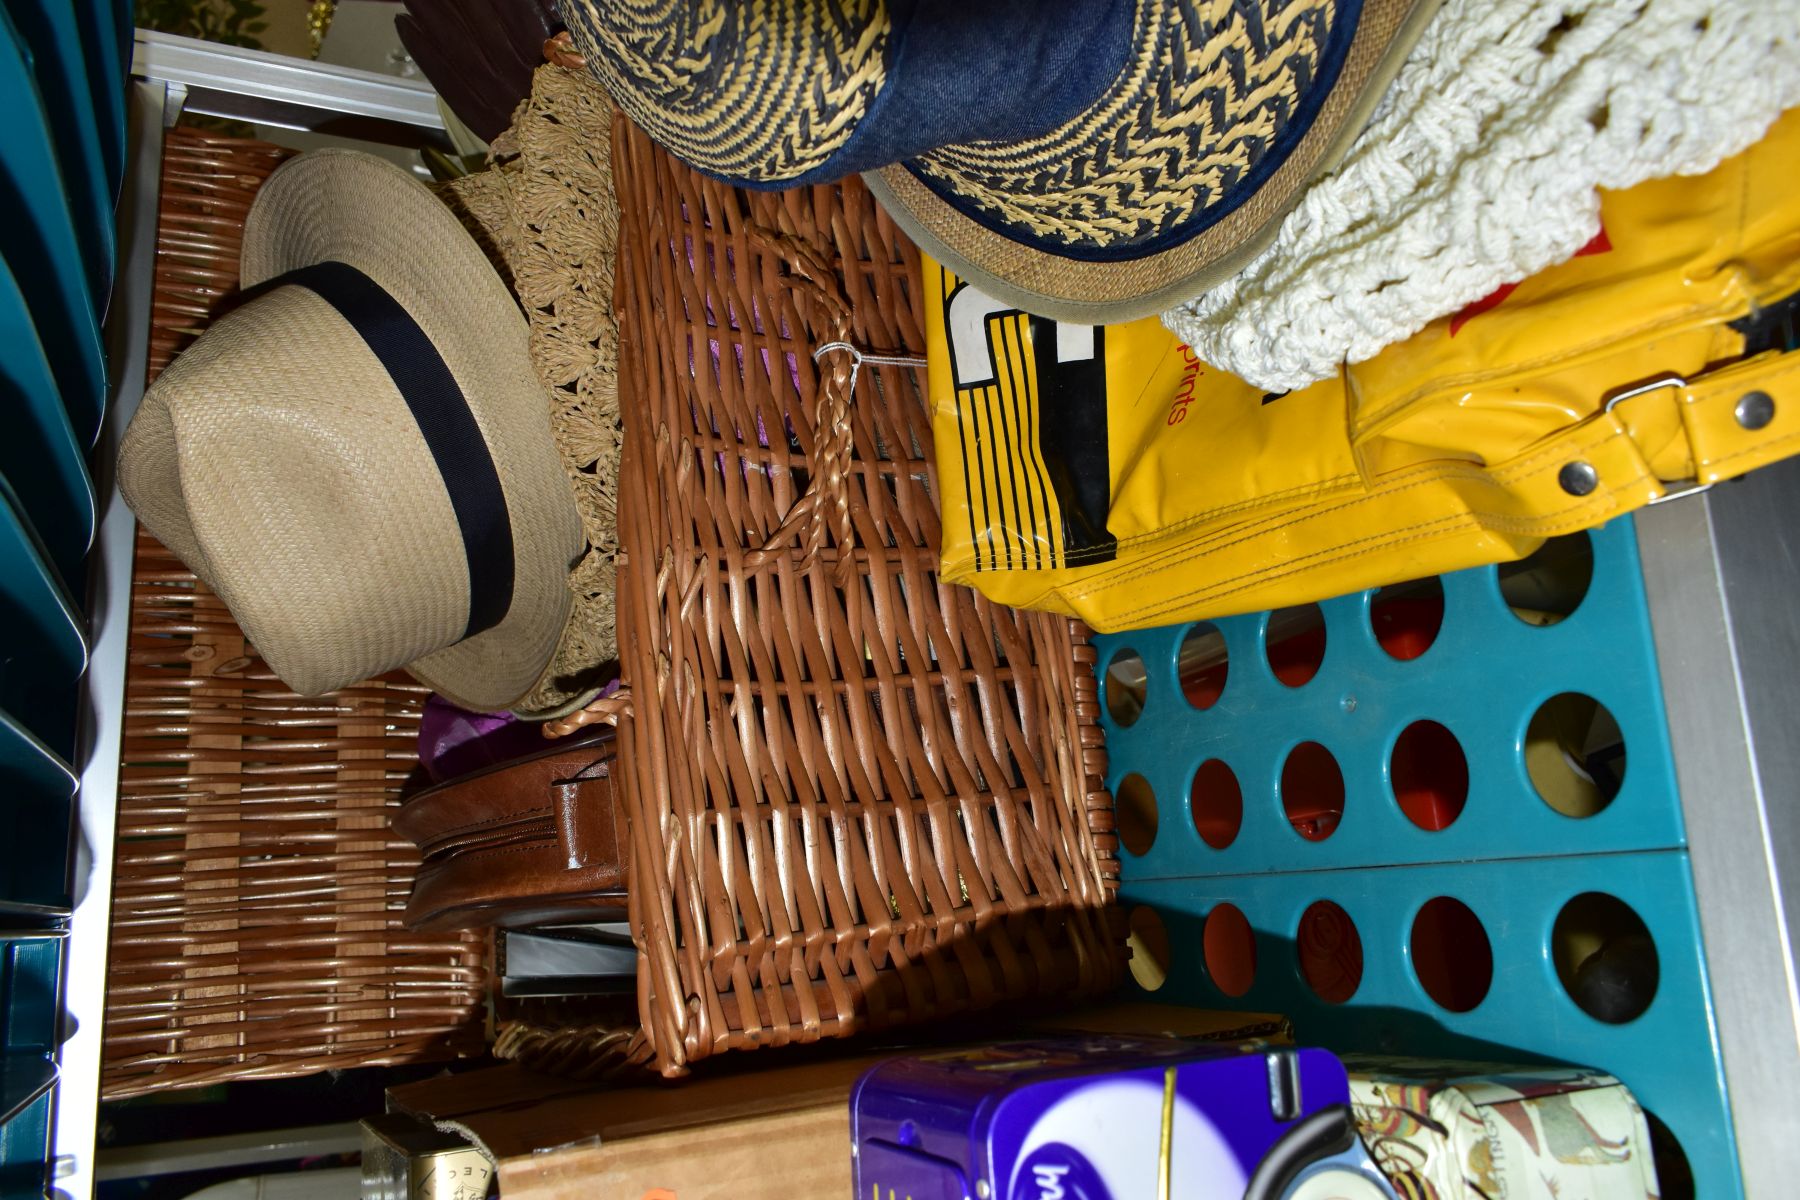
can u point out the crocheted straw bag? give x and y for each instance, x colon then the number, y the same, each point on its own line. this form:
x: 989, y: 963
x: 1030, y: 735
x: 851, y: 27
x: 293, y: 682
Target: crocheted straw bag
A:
x: 1481, y: 166
x: 546, y: 213
x: 858, y: 797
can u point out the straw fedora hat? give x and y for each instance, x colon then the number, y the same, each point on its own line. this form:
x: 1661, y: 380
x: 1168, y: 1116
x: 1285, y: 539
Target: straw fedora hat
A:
x: 358, y: 459
x: 1094, y: 161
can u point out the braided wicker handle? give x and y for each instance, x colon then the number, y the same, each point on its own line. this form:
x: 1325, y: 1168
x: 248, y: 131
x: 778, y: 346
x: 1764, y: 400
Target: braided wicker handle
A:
x: 561, y: 50
x: 825, y: 505
x: 608, y: 710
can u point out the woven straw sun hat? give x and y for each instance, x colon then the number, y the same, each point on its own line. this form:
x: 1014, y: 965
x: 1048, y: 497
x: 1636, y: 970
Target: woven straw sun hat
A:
x: 1091, y: 160
x: 358, y: 460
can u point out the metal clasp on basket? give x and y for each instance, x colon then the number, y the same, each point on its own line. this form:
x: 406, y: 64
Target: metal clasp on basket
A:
x: 1680, y: 487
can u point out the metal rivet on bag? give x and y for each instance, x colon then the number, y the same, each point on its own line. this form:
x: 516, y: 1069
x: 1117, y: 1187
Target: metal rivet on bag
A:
x: 1578, y: 478
x: 1754, y: 410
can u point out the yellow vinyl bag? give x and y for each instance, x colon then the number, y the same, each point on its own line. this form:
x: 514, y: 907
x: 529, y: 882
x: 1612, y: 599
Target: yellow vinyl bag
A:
x: 1105, y: 473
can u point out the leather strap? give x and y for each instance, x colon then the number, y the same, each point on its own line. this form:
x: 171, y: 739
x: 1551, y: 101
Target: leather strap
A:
x: 1663, y: 439
x: 527, y: 842
x: 1647, y: 445
x: 1723, y: 447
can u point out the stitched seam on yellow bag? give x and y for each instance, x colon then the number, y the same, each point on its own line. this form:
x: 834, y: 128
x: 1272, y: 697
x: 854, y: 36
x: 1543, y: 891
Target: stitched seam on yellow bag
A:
x: 1315, y: 561
x: 1422, y: 531
x: 1334, y: 483
x: 1495, y: 476
x: 1546, y: 525
x: 1287, y: 516
x: 1220, y: 540
x: 1562, y: 523
x: 1758, y: 449
x: 1763, y: 374
x: 1345, y: 551
x: 1708, y: 315
x: 1075, y: 558
x: 1338, y: 481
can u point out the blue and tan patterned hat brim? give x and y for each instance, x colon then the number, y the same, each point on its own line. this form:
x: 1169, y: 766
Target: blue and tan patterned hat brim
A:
x: 1192, y: 203
x: 1087, y: 160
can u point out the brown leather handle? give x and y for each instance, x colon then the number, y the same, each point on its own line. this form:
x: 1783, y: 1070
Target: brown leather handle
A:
x: 526, y: 842
x: 585, y: 815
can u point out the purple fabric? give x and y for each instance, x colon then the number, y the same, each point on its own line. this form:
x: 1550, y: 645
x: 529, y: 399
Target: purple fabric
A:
x: 454, y: 742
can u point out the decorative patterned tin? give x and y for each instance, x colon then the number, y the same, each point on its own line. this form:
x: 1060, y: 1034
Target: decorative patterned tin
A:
x: 1457, y: 1131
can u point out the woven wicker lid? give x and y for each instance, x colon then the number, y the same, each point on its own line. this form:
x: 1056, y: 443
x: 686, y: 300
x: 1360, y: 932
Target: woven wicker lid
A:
x: 356, y: 507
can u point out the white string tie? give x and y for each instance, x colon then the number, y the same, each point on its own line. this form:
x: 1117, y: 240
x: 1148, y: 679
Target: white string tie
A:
x: 858, y: 358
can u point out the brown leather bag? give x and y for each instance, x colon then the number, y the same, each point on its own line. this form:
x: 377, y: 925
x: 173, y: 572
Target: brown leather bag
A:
x: 538, y: 841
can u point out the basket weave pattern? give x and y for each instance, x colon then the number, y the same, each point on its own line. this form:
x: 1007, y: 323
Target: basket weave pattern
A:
x: 858, y: 797
x: 258, y: 894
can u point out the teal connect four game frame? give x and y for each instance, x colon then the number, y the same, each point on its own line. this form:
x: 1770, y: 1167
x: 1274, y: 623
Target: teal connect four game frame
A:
x: 1509, y: 861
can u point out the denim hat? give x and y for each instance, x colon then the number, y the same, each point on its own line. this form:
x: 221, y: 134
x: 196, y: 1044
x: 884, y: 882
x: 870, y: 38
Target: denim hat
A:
x: 1087, y: 160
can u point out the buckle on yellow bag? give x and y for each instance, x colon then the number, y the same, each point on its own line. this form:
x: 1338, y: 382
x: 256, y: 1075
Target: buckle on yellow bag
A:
x: 1679, y: 487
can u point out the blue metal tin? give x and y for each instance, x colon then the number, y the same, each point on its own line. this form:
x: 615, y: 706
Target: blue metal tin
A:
x: 1110, y: 1118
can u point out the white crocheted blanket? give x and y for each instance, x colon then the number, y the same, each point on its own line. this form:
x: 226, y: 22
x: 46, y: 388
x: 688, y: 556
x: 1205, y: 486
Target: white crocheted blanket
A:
x: 1480, y: 166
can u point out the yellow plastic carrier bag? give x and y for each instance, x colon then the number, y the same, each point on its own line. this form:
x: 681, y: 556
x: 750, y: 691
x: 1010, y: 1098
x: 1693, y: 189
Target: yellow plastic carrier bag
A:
x: 1106, y: 473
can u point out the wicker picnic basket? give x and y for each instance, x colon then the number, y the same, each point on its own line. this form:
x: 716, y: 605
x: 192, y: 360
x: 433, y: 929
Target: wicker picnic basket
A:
x: 259, y: 896
x: 858, y: 797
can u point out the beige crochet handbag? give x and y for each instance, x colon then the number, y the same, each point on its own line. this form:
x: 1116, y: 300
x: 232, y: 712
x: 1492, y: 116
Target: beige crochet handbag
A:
x: 548, y: 217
